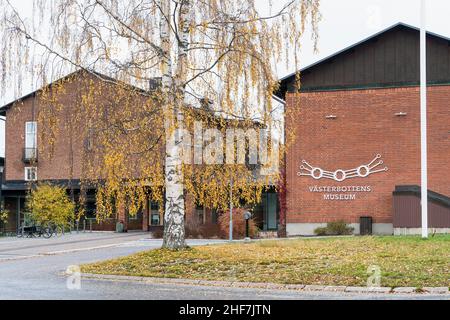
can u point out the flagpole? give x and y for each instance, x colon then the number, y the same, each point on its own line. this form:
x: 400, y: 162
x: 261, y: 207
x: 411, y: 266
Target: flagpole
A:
x: 231, y: 210
x: 423, y: 119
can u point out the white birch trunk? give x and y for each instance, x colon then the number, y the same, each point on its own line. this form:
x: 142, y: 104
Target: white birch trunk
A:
x: 174, y: 232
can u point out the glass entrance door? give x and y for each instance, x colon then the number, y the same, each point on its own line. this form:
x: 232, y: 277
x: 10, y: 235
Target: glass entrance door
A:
x: 155, y: 217
x: 270, y: 211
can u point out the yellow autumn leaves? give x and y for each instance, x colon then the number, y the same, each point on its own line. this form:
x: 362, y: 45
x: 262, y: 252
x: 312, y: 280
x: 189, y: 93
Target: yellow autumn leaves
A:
x: 332, y: 261
x: 50, y: 204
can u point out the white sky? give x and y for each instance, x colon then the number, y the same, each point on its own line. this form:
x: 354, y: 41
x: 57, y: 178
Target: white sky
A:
x: 344, y: 22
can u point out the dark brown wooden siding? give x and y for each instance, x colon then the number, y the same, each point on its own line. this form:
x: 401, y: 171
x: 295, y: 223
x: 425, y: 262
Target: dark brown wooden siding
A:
x: 390, y: 59
x: 407, y: 211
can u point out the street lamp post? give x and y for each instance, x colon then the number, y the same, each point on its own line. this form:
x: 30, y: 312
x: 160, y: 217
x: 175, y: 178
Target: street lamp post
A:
x: 423, y: 119
x: 247, y: 217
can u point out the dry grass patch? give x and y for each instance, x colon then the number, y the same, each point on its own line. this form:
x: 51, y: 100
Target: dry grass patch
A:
x: 404, y: 261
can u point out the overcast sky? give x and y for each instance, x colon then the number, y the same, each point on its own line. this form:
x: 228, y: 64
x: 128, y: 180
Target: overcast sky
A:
x: 344, y: 22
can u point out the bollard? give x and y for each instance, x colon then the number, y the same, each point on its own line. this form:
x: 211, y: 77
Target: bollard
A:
x: 246, y: 229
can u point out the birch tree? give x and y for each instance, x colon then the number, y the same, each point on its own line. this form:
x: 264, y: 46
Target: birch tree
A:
x: 220, y: 51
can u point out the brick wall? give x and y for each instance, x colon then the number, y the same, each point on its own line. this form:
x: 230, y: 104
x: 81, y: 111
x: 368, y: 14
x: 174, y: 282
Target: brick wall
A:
x: 365, y: 125
x: 65, y: 163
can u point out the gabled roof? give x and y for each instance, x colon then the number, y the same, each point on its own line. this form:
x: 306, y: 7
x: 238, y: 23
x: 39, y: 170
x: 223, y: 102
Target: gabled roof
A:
x: 348, y: 49
x: 211, y: 115
x: 5, y: 107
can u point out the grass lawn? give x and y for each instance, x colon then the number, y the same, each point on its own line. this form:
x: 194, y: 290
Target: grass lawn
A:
x: 404, y: 261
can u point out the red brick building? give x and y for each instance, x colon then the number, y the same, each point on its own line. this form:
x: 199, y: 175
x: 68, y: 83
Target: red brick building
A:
x: 26, y: 164
x: 356, y: 151
x: 357, y: 133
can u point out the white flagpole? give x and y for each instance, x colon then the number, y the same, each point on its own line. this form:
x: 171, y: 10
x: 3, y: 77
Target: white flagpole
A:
x: 231, y: 209
x: 423, y: 119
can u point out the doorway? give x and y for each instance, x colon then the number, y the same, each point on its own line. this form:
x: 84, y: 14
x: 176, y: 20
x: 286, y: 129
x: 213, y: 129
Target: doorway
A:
x: 270, y: 207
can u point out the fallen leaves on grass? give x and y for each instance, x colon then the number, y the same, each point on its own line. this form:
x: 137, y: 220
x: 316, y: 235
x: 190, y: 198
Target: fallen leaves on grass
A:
x: 404, y: 261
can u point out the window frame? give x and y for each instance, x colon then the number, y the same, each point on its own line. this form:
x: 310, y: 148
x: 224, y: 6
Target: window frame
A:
x: 34, y: 133
x: 154, y: 211
x: 27, y: 169
x: 200, y: 212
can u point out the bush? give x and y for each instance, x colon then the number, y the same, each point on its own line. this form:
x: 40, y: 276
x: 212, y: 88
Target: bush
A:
x: 195, y: 229
x: 238, y: 224
x: 339, y: 228
x: 334, y: 229
x: 158, y: 233
x: 4, y: 214
x: 210, y: 230
x: 192, y: 228
x: 321, y: 231
x: 50, y: 204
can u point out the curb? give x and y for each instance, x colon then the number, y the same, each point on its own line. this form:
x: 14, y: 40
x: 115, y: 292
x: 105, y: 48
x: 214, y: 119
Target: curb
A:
x: 272, y: 286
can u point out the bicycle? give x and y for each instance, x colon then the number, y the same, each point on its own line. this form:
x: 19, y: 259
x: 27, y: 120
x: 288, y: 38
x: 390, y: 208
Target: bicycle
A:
x: 55, y: 230
x: 34, y: 231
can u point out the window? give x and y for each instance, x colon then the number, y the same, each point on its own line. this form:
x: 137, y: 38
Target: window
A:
x: 31, y: 134
x: 136, y: 216
x: 30, y: 140
x: 90, y: 205
x: 214, y: 216
x: 90, y: 140
x: 200, y: 211
x: 30, y: 173
x: 155, y: 219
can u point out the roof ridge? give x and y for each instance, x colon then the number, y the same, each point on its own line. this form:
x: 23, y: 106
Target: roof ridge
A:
x: 396, y: 25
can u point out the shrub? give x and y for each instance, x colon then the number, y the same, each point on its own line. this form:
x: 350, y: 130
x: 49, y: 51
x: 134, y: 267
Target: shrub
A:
x: 339, y: 228
x: 210, y: 230
x: 158, y: 233
x: 334, y: 229
x: 4, y: 216
x: 50, y: 204
x: 321, y: 231
x: 3, y: 220
x: 238, y: 224
x: 195, y: 229
x: 192, y: 228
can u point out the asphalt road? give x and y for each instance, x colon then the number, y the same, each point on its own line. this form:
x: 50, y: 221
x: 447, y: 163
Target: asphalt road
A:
x: 34, y: 269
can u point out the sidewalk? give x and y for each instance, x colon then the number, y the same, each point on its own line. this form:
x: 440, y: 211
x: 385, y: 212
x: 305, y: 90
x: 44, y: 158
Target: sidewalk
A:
x: 252, y: 285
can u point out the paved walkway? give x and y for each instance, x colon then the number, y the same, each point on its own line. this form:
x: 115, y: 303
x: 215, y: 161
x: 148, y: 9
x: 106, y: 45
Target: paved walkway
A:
x: 16, y: 248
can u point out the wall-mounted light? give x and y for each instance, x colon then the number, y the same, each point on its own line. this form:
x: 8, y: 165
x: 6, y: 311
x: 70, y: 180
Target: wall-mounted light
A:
x: 401, y: 114
x: 331, y: 117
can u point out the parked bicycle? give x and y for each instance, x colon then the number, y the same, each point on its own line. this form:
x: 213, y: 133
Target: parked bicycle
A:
x: 55, y: 230
x: 34, y: 231
x: 39, y: 231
